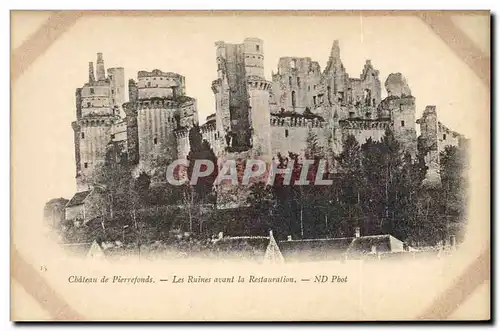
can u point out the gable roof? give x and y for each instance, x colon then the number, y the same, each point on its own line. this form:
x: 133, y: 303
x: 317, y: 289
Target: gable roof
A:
x: 241, y: 247
x: 337, y: 248
x: 364, y: 244
x: 315, y: 249
x: 77, y: 249
x: 78, y: 198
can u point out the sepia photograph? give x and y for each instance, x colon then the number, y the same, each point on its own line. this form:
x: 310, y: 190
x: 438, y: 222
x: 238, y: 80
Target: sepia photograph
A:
x: 250, y: 165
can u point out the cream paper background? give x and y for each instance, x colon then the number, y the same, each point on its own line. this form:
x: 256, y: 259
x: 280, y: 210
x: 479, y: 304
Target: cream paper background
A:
x: 42, y: 162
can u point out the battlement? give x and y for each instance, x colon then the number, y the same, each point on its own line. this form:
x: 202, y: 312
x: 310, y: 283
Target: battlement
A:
x: 104, y: 82
x: 211, y: 117
x: 97, y: 121
x: 292, y: 119
x: 255, y: 82
x: 181, y: 132
x: 157, y: 103
x: 364, y: 124
x: 161, y: 103
x: 208, y: 127
x: 158, y: 73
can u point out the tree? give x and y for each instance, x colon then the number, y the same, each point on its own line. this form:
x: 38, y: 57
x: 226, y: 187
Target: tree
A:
x: 454, y: 178
x: 261, y: 199
x: 53, y: 212
x: 313, y: 149
x: 201, y: 150
x: 351, y: 179
x: 112, y: 180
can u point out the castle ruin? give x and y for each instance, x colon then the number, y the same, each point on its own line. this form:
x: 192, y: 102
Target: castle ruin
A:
x: 252, y: 115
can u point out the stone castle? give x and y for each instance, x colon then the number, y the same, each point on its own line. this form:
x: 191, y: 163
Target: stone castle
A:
x: 252, y: 115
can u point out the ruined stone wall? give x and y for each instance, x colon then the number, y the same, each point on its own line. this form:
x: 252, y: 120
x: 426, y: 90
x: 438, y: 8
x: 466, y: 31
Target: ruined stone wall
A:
x: 188, y: 113
x: 447, y: 137
x: 117, y: 85
x: 366, y: 90
x: 296, y: 84
x: 158, y: 84
x: 210, y: 134
x: 363, y: 130
x: 132, y: 132
x: 182, y: 140
x: 119, y: 131
x: 404, y: 124
x: 428, y: 141
x: 290, y: 134
x: 96, y: 116
x: 258, y: 90
x: 236, y: 64
x: 94, y: 136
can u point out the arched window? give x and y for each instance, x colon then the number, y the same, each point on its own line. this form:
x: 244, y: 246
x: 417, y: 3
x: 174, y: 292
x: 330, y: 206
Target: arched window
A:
x: 290, y: 80
x: 298, y: 81
x: 293, y: 99
x: 286, y: 133
x: 329, y: 93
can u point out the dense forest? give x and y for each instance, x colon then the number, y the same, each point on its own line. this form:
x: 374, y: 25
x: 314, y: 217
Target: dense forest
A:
x: 375, y: 186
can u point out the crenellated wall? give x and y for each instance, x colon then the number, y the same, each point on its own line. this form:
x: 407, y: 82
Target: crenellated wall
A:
x: 159, y: 84
x: 289, y: 133
x: 97, y: 111
x: 253, y: 117
x: 364, y: 129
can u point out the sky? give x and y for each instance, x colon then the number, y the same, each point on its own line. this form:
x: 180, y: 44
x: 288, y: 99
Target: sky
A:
x: 43, y: 98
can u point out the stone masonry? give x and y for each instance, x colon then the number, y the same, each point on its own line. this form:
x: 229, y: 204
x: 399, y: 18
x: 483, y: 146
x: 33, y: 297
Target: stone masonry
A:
x: 252, y: 116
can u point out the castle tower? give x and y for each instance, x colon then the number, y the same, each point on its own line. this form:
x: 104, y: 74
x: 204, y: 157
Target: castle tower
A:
x: 100, y: 72
x: 157, y: 108
x: 400, y: 107
x: 95, y: 116
x: 258, y: 90
x: 335, y: 77
x: 428, y: 145
x: 235, y: 63
x: 254, y: 57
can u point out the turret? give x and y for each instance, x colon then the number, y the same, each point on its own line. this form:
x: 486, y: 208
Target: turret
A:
x: 101, y: 74
x: 254, y: 57
x: 335, y: 51
x: 91, y: 73
x: 132, y: 91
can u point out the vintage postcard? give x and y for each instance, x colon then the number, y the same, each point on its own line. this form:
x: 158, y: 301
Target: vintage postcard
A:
x: 250, y: 165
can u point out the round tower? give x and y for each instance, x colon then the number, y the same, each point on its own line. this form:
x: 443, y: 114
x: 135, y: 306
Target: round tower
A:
x: 157, y: 120
x: 91, y: 138
x: 254, y: 57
